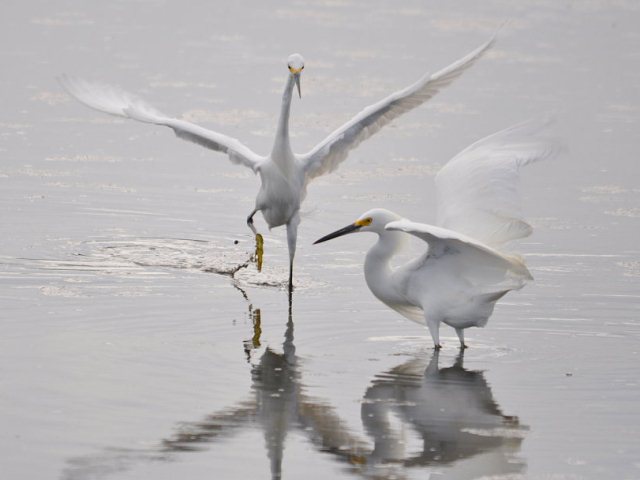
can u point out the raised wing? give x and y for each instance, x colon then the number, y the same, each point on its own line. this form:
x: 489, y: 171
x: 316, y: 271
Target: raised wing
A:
x: 328, y: 154
x: 473, y: 254
x: 117, y: 102
x: 477, y: 191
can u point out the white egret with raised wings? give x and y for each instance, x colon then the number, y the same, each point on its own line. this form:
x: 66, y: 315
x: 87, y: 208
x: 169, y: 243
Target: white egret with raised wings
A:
x: 465, y: 269
x: 284, y: 175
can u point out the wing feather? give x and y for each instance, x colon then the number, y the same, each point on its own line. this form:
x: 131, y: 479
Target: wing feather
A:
x: 446, y: 242
x: 477, y: 190
x: 114, y: 101
x: 328, y: 154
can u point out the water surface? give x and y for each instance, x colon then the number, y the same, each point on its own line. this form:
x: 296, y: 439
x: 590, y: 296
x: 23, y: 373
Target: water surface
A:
x: 132, y: 348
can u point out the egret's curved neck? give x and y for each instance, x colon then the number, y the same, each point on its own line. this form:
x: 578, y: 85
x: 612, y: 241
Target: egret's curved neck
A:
x: 377, y: 269
x: 282, y: 145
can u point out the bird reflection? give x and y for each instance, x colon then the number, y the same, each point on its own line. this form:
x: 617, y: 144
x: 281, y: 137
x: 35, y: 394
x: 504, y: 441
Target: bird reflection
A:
x: 461, y: 430
x: 416, y: 416
x: 459, y: 426
x: 278, y: 405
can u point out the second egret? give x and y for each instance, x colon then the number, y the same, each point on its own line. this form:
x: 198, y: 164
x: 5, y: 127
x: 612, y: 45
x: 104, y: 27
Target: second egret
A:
x: 465, y: 270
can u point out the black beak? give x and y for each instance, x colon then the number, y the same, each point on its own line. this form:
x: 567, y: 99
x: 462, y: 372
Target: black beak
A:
x: 297, y: 78
x: 338, y: 233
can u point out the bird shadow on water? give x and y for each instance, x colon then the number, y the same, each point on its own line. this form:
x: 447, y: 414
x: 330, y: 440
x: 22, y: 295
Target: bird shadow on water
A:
x: 416, y: 417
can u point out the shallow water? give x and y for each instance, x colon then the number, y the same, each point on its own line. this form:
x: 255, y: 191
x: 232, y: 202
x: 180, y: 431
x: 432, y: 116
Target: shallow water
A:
x: 134, y: 347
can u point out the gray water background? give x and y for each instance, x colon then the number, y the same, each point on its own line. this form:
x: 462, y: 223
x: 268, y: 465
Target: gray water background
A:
x: 123, y: 355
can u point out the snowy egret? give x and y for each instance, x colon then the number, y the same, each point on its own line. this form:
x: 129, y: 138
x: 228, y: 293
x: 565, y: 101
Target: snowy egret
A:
x: 284, y: 175
x: 465, y: 269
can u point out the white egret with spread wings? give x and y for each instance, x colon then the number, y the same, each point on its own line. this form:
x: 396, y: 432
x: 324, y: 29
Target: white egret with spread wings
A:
x: 284, y: 175
x: 466, y: 269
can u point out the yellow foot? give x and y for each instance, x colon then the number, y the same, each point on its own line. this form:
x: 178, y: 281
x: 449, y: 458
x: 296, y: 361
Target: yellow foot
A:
x: 259, y: 251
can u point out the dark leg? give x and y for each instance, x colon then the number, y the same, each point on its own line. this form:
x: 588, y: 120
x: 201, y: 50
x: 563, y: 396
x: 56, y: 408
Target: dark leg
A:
x: 250, y: 221
x: 290, y: 278
x: 292, y: 236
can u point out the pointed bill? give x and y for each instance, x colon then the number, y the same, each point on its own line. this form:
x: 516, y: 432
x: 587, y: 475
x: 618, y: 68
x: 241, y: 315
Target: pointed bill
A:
x: 338, y: 233
x: 297, y: 77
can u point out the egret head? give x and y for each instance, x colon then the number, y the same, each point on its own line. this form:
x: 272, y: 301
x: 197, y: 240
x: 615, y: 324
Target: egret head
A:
x: 295, y: 63
x: 372, y: 221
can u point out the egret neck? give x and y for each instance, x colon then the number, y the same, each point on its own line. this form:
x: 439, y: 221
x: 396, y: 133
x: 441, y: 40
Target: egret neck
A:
x: 377, y: 268
x: 281, y: 153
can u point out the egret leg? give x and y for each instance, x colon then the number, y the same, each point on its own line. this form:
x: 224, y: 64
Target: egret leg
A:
x: 250, y: 221
x: 259, y: 240
x: 460, y: 333
x: 434, y: 329
x: 292, y: 237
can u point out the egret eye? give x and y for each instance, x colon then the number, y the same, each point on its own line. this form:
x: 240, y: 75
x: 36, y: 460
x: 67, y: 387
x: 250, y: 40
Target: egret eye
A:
x: 365, y: 222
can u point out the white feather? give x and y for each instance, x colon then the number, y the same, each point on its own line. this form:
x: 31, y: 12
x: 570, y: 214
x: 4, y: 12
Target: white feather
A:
x: 328, y: 154
x: 284, y: 175
x: 114, y: 101
x: 477, y: 191
x: 463, y: 272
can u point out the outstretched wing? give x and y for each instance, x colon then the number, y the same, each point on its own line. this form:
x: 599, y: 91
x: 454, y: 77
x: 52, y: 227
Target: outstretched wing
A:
x: 328, y: 154
x: 117, y: 102
x: 471, y: 253
x: 477, y: 191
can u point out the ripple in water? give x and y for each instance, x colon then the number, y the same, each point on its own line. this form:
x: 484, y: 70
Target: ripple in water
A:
x: 124, y: 258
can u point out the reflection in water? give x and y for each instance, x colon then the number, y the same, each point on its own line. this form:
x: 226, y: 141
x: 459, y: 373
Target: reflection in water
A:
x: 452, y: 410
x: 254, y: 342
x: 278, y: 405
x: 417, y: 416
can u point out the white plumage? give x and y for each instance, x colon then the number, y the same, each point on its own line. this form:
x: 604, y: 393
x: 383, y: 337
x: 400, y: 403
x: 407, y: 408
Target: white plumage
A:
x: 284, y: 175
x: 465, y: 269
x: 477, y: 190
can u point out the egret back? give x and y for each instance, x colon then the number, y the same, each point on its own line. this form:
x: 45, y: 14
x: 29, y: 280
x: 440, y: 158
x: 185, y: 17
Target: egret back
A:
x: 458, y: 280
